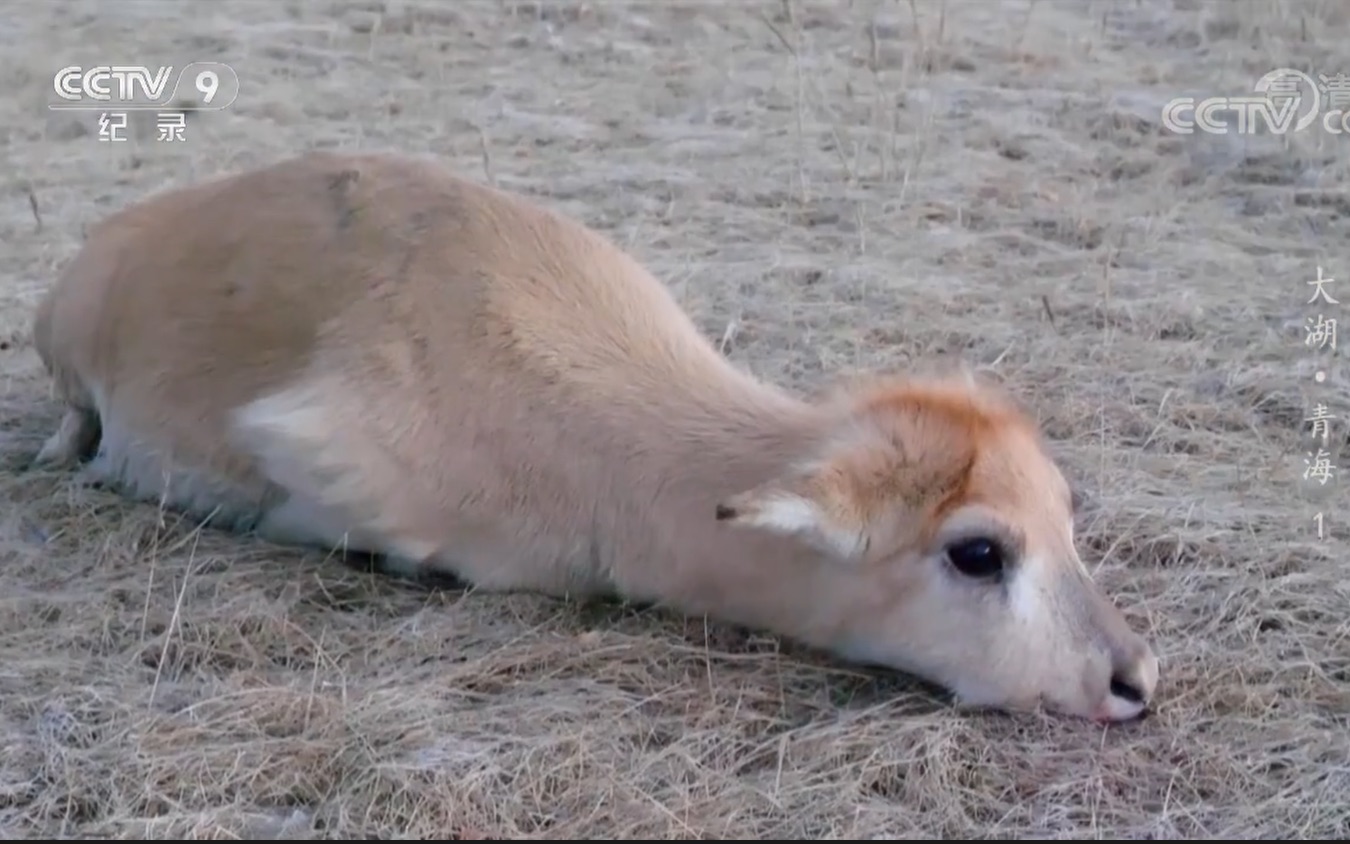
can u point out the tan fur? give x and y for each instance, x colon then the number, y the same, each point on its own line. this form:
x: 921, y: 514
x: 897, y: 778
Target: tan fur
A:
x: 364, y: 350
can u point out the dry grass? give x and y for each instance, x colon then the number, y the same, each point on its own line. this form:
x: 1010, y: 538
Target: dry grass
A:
x: 827, y: 186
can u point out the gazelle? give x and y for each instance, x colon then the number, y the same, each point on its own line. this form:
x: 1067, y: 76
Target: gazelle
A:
x: 363, y: 350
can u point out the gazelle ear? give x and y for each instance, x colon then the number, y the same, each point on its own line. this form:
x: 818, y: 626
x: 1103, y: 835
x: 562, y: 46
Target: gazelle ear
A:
x: 968, y: 379
x: 902, y: 450
x: 815, y: 506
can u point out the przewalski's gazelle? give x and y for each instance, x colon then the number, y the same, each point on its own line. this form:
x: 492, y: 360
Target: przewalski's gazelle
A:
x: 366, y: 351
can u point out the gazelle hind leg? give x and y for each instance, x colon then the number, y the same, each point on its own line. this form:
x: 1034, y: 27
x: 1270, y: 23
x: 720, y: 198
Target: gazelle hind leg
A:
x: 200, y: 494
x: 76, y: 438
x: 333, y: 445
x: 127, y: 461
x: 301, y: 520
x: 344, y: 489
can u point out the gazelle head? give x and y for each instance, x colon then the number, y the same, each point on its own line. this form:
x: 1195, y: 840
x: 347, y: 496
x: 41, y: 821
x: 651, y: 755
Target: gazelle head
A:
x: 947, y: 533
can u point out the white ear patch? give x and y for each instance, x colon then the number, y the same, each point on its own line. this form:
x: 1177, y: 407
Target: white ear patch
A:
x: 785, y: 514
x: 792, y: 515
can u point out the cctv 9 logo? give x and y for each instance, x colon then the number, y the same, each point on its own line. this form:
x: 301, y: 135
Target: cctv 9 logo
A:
x: 200, y: 86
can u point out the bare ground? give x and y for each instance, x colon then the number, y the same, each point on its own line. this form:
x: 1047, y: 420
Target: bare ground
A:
x: 828, y: 187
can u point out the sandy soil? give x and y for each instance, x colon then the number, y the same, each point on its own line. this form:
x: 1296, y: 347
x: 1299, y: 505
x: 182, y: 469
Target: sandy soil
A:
x: 828, y: 187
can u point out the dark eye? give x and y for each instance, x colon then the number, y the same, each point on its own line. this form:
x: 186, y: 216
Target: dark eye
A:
x: 979, y: 557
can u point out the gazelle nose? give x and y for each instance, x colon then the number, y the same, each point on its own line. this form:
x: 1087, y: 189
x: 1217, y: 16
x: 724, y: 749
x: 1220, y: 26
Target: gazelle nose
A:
x: 1126, y: 688
x: 1134, y: 679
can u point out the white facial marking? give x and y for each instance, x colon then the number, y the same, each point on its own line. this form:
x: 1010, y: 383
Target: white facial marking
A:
x: 1024, y: 598
x: 1118, y: 709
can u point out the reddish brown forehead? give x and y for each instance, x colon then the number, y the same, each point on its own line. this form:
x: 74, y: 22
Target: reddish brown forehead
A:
x: 969, y: 410
x: 999, y: 449
x: 966, y: 419
x: 1015, y: 466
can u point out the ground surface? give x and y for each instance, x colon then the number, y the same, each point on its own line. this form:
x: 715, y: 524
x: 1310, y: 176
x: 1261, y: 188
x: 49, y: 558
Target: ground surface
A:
x: 847, y: 186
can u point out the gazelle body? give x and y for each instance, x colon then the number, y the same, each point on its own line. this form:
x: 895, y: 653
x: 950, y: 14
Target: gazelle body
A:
x: 366, y: 351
